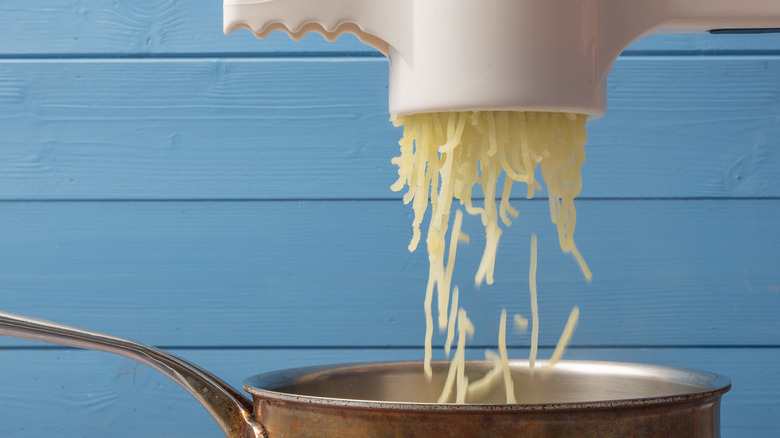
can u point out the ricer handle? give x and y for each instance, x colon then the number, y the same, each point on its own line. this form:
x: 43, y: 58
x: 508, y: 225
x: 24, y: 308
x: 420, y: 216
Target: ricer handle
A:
x: 624, y: 21
x: 708, y: 15
x: 381, y: 24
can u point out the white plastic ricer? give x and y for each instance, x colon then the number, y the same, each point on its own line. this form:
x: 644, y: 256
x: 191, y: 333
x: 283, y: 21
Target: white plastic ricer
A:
x: 534, y: 55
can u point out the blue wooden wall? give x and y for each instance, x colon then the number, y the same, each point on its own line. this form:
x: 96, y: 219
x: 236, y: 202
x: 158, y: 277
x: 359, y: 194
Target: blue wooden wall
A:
x: 228, y: 199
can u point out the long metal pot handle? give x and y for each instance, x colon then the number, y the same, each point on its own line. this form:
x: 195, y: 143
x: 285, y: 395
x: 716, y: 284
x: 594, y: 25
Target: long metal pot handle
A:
x: 229, y: 408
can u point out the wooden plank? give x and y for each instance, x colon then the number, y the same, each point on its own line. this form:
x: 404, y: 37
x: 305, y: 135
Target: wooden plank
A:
x: 166, y: 27
x: 71, y: 393
x: 302, y: 128
x: 309, y: 273
x: 173, y: 27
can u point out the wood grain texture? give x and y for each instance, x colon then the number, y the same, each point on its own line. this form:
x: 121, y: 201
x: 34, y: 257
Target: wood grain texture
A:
x: 194, y: 27
x: 70, y: 393
x: 308, y: 273
x: 677, y: 127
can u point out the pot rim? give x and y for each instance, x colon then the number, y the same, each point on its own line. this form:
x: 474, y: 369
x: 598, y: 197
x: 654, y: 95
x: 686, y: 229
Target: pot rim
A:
x: 711, y: 384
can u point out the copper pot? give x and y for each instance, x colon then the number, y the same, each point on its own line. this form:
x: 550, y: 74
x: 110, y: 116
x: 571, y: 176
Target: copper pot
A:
x: 569, y: 399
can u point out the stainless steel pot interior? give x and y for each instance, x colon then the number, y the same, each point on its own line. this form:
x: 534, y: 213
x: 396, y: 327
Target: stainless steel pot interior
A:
x: 568, y: 382
x: 570, y: 399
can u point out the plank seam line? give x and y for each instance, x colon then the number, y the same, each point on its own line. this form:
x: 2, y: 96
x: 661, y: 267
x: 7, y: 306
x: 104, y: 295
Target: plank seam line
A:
x: 699, y: 53
x: 408, y: 347
x: 346, y: 55
x: 216, y: 56
x: 371, y: 199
